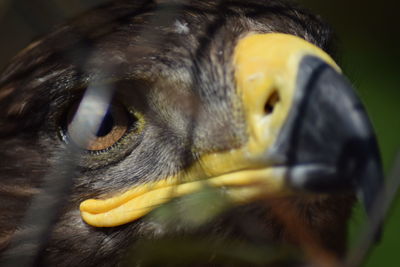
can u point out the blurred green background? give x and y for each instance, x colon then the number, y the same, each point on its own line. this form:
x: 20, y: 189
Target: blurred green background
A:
x: 369, y: 45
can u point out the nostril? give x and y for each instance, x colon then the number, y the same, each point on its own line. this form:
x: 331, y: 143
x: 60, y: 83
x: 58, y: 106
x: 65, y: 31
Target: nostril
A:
x: 272, y: 100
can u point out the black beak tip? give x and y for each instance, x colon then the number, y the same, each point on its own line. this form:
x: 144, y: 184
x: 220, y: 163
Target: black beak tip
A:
x: 328, y: 140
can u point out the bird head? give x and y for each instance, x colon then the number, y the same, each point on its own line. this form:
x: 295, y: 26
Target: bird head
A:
x: 242, y: 98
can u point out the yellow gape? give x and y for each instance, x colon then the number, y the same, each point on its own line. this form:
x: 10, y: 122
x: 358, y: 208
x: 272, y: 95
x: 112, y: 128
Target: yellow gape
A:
x: 266, y: 68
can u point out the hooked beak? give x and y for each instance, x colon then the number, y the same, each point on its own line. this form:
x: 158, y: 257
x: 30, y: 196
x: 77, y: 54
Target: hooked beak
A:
x: 328, y: 142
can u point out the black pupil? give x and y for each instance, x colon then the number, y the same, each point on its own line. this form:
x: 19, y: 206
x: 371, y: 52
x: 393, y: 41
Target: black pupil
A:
x: 106, y: 125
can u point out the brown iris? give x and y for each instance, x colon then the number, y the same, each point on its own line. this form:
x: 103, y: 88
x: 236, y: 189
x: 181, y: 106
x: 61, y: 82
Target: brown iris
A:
x: 113, y: 127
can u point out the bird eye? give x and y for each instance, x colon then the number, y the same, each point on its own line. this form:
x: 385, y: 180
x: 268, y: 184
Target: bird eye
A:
x: 113, y: 127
